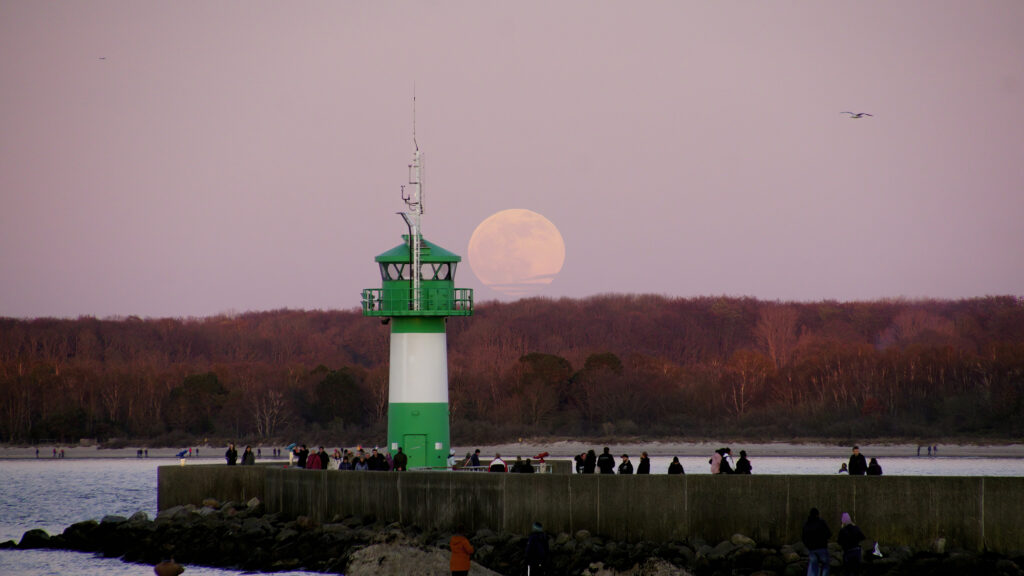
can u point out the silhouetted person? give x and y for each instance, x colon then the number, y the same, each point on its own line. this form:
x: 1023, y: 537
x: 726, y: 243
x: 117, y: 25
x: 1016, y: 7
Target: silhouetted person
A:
x: 606, y: 462
x: 644, y: 467
x: 401, y: 460
x: 874, y: 469
x: 743, y: 465
x: 231, y: 455
x: 537, y: 551
x: 815, y: 536
x: 590, y: 464
x: 675, y: 467
x: 858, y: 465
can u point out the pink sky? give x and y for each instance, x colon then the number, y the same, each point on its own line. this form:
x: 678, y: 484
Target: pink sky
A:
x: 235, y: 156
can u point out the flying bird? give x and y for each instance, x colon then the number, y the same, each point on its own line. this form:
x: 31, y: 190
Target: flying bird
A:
x: 857, y: 114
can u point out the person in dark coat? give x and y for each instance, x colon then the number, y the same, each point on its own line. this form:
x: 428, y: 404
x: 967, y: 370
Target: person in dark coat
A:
x: 850, y: 537
x: 874, y: 469
x: 675, y: 467
x: 606, y: 462
x: 645, y: 464
x: 590, y: 464
x: 401, y: 460
x: 743, y: 465
x: 325, y: 458
x: 537, y: 551
x: 815, y: 536
x: 626, y: 467
x: 579, y: 460
x: 231, y: 455
x: 475, y: 460
x: 248, y: 458
x: 858, y: 465
x: 725, y: 467
x: 302, y: 454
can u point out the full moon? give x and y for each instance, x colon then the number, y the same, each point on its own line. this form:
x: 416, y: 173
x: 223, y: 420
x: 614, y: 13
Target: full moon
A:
x: 516, y: 252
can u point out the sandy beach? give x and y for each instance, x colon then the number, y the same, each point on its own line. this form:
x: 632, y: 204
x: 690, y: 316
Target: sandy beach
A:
x: 561, y: 448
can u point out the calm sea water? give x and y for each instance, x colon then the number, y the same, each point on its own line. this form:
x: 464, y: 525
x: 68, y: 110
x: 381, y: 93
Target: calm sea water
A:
x: 53, y: 494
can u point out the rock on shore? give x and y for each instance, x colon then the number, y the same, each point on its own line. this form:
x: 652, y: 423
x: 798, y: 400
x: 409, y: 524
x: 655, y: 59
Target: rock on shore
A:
x: 244, y: 537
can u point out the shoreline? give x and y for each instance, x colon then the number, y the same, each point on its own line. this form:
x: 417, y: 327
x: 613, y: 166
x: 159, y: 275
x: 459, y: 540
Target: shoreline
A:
x: 529, y: 448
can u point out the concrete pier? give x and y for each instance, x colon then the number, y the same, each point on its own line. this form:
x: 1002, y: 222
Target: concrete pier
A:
x: 974, y: 513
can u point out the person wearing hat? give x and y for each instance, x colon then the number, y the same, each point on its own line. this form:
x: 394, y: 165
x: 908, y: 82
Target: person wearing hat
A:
x: 625, y: 467
x: 850, y: 537
x: 536, y: 551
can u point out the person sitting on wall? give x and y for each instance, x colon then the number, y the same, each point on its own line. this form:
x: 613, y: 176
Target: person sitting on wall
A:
x: 497, y: 465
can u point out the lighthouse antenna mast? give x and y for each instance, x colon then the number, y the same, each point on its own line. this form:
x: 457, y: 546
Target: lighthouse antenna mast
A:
x: 414, y: 202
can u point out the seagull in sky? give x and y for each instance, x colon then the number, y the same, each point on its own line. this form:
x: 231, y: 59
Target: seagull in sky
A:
x: 857, y: 114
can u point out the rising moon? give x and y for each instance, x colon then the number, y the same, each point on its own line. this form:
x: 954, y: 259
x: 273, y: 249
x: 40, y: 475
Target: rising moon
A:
x: 516, y: 252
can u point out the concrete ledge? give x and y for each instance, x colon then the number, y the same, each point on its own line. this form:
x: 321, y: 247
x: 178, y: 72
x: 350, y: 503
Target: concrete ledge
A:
x: 974, y: 513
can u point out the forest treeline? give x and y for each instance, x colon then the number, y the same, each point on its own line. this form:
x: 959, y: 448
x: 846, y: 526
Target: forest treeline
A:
x: 604, y: 366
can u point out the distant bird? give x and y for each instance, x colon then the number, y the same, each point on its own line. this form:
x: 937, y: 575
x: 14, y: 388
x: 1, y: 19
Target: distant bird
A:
x: 857, y: 114
x: 103, y: 57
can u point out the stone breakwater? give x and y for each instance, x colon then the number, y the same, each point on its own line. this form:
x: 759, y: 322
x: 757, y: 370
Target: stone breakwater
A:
x: 245, y: 537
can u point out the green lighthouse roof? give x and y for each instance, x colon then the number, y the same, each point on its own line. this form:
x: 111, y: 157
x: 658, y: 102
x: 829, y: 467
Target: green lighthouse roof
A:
x: 429, y: 252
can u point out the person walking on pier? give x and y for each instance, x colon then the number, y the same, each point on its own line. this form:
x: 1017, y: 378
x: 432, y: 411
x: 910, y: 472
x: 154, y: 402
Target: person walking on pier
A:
x: 858, y: 465
x: 815, y: 536
x: 645, y: 464
x: 401, y: 460
x: 606, y: 462
x: 231, y: 455
x: 626, y: 467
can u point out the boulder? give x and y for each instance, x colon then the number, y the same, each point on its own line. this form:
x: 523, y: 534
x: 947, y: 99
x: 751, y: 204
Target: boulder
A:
x: 35, y: 538
x: 741, y: 540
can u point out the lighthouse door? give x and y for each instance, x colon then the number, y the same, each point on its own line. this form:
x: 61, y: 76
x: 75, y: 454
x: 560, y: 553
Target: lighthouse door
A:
x: 416, y: 449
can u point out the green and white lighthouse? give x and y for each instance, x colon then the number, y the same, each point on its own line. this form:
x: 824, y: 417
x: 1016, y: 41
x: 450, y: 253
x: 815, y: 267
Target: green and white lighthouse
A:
x: 417, y: 295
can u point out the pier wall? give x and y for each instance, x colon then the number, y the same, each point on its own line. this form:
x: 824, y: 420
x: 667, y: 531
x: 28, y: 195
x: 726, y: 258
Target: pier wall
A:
x: 974, y: 513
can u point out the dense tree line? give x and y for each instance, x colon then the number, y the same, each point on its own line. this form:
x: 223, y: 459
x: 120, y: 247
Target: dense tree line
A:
x: 611, y: 365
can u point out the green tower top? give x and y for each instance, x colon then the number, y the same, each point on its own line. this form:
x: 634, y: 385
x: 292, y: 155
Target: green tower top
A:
x: 417, y: 276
